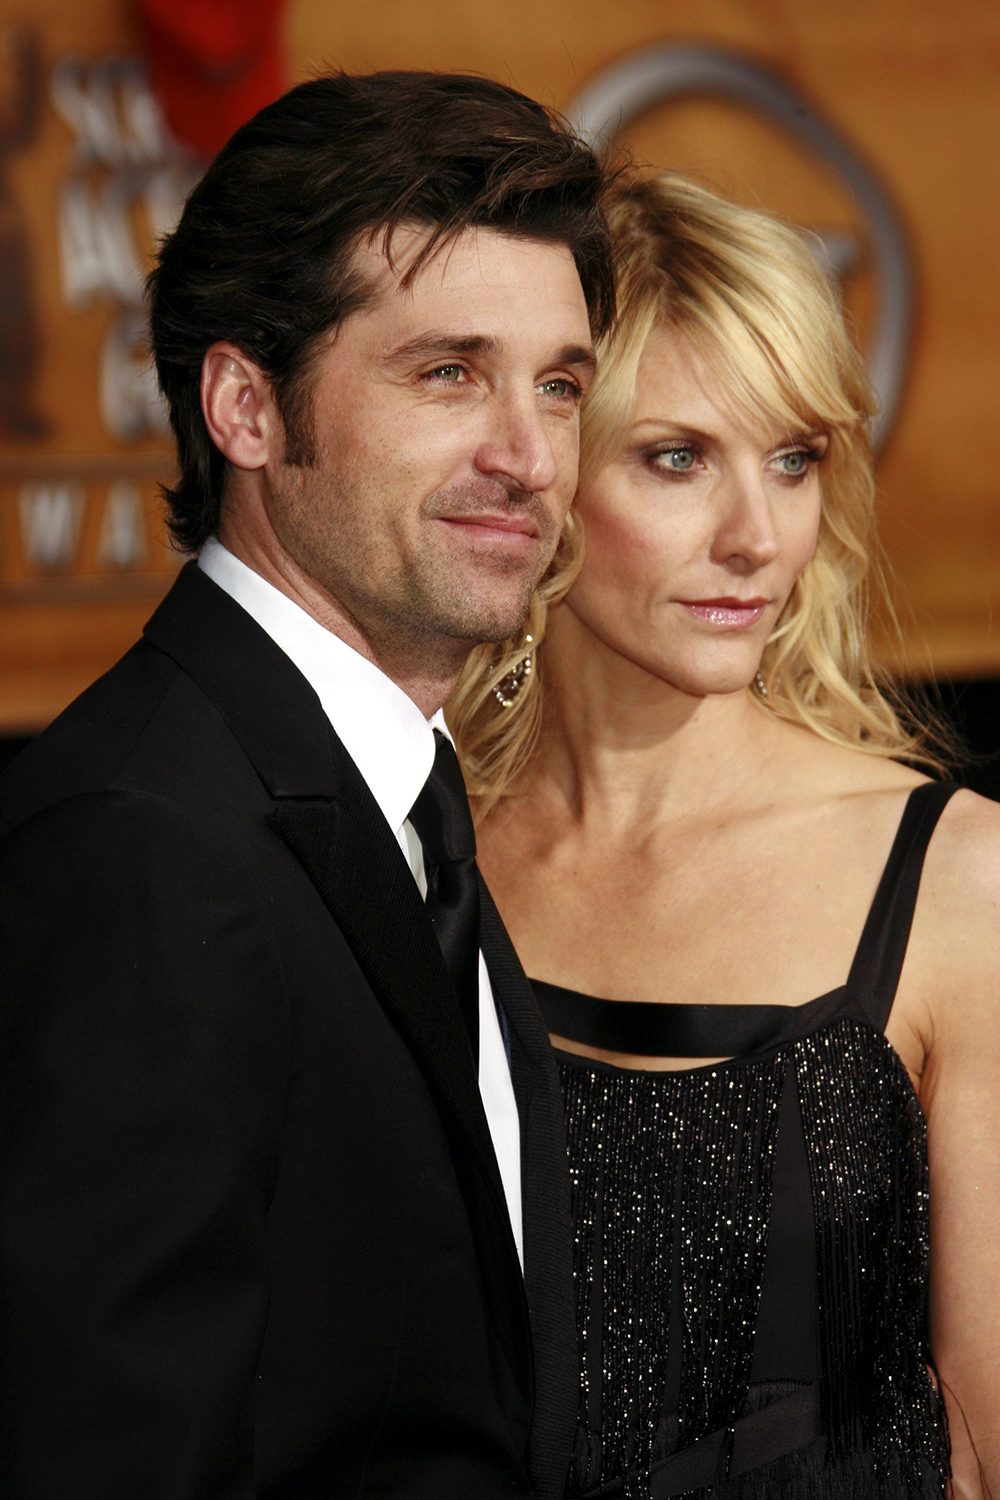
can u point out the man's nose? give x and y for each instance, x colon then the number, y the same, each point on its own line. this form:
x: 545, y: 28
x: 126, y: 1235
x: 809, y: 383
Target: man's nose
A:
x: 517, y: 447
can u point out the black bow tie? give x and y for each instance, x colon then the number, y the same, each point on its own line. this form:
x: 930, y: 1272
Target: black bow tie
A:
x: 444, y: 826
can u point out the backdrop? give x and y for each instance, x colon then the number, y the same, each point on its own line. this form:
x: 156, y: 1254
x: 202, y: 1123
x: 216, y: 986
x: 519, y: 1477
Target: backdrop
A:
x: 872, y: 122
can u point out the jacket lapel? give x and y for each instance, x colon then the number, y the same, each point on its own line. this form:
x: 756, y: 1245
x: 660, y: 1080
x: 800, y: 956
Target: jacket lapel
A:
x: 350, y: 855
x: 326, y: 815
x: 348, y: 851
x: 545, y: 1193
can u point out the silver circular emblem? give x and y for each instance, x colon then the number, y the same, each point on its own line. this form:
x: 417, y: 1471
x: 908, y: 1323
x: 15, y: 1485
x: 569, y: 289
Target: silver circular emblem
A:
x: 655, y: 75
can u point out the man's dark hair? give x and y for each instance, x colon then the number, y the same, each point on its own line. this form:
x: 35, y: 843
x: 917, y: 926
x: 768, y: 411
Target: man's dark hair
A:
x: 262, y: 256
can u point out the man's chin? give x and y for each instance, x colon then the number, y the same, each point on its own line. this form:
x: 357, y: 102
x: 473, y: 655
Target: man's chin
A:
x: 480, y: 620
x: 476, y: 630
x: 484, y: 607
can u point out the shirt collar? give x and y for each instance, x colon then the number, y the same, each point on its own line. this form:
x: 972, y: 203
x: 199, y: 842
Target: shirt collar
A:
x: 381, y: 728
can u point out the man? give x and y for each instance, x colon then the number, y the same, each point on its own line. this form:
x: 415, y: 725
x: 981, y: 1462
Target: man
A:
x: 276, y: 1135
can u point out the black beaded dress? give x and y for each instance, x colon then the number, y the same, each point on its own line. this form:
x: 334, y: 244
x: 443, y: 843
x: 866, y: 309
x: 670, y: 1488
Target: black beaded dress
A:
x: 751, y: 1249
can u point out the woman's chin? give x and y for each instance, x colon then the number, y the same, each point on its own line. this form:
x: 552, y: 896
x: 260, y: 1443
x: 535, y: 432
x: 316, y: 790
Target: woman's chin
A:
x: 707, y: 683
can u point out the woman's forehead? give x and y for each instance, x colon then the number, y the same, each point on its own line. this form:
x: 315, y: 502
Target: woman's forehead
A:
x: 678, y: 381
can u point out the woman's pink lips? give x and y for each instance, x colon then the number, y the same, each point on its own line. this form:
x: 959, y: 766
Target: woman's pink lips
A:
x: 733, y: 614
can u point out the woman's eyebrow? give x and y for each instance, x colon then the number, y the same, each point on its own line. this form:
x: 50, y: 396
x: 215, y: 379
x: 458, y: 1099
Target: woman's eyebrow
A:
x: 683, y: 429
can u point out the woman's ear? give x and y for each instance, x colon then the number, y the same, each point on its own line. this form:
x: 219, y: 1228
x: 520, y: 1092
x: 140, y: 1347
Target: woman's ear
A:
x: 239, y: 408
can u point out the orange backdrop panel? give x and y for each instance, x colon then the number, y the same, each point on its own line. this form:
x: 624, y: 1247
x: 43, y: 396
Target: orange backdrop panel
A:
x: 915, y: 87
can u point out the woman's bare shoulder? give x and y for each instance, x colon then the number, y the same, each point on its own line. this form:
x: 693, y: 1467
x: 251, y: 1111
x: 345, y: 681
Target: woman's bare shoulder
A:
x: 805, y: 761
x: 957, y: 932
x: 963, y: 861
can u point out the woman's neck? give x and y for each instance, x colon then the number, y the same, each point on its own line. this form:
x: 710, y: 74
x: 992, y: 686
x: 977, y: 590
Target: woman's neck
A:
x: 622, y: 745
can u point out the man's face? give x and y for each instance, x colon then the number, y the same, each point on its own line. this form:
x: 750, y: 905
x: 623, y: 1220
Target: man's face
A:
x: 446, y: 419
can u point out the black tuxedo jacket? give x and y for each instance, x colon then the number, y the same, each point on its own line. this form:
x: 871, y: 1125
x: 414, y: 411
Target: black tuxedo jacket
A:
x: 253, y: 1238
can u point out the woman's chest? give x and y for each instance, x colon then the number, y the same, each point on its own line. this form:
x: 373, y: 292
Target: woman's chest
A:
x: 715, y: 928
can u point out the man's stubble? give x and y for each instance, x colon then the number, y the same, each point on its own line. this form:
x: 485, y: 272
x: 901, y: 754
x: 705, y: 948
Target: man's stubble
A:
x: 421, y: 600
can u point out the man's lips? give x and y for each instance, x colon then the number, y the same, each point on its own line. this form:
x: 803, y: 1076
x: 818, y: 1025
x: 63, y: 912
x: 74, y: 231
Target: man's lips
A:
x: 731, y: 614
x: 496, y: 525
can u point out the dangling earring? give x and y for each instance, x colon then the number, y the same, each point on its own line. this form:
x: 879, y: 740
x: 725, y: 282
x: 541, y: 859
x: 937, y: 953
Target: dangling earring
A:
x: 507, y: 689
x: 760, y: 685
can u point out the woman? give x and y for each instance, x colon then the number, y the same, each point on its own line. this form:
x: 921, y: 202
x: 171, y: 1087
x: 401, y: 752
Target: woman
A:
x: 698, y: 809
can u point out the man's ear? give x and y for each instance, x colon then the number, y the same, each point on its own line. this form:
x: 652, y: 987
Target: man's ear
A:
x: 239, y: 407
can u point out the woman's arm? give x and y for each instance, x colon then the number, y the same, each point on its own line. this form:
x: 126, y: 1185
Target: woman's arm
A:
x: 957, y: 954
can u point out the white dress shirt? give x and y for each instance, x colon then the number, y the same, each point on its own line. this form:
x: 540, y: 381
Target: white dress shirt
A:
x: 392, y: 745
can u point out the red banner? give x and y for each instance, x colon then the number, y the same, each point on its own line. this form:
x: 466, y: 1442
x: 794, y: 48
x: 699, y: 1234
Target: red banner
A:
x: 213, y: 64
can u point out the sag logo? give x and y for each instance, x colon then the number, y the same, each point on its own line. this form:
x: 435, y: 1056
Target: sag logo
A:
x: 122, y: 159
x: 122, y: 542
x: 52, y: 517
x: 657, y: 75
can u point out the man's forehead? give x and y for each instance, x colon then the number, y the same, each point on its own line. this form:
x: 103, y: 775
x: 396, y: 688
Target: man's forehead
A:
x: 475, y: 259
x: 499, y: 295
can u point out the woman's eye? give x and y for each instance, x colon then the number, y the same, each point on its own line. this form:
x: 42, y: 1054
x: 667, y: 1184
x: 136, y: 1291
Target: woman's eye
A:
x: 796, y: 463
x: 676, y: 460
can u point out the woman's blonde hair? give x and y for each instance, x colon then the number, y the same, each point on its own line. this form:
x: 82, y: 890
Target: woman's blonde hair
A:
x: 751, y: 295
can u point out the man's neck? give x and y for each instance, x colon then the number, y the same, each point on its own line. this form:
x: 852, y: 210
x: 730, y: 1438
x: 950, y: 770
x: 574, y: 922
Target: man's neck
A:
x: 429, y: 684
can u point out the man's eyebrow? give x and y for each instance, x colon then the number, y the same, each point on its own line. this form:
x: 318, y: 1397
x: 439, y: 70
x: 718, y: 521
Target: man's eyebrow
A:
x: 577, y: 354
x: 434, y: 345
x: 439, y: 345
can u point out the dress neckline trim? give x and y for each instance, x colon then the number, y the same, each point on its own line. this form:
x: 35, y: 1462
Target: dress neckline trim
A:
x: 688, y: 1005
x: 642, y: 1028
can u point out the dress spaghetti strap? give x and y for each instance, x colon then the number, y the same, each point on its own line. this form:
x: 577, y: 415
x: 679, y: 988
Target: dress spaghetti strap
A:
x: 878, y: 961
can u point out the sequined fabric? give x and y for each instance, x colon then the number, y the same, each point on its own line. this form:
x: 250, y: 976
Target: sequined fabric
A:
x: 672, y: 1177
x: 866, y: 1139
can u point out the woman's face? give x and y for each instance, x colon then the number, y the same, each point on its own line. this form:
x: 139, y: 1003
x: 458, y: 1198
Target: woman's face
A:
x: 697, y: 530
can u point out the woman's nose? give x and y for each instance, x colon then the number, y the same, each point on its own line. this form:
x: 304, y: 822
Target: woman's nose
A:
x: 745, y: 538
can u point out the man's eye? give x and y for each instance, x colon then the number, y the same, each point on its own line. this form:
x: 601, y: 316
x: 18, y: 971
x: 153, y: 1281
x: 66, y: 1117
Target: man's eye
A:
x: 452, y: 374
x: 559, y: 388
